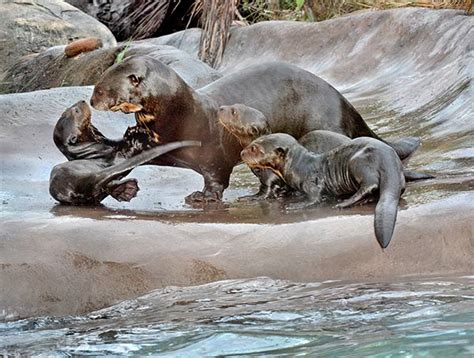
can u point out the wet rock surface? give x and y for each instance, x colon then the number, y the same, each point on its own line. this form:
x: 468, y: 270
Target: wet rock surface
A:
x: 408, y: 74
x: 30, y: 27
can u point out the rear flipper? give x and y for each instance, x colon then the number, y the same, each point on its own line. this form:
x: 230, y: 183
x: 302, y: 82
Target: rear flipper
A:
x: 124, y: 190
x: 413, y: 176
x: 362, y: 195
x: 404, y: 146
x: 384, y: 173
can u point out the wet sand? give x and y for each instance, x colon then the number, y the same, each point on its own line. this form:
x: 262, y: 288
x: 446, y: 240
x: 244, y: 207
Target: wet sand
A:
x: 59, y: 260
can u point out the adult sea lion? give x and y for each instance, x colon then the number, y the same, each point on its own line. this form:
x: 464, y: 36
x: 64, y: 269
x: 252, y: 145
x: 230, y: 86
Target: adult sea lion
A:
x: 360, y: 168
x: 295, y: 100
x: 96, y: 163
x: 247, y: 124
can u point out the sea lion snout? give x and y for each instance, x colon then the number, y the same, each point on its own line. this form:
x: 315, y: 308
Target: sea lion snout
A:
x: 83, y: 107
x: 100, y: 101
x: 252, y: 154
x: 227, y: 114
x: 81, y: 113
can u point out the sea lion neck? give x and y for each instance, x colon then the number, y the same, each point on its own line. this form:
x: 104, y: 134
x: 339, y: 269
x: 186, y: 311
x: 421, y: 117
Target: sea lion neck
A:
x: 300, y: 166
x: 184, y: 114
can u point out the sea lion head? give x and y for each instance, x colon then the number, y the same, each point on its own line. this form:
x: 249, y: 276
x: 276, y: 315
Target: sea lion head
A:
x: 269, y: 151
x: 72, y: 126
x: 134, y: 84
x: 76, y: 137
x: 244, y: 122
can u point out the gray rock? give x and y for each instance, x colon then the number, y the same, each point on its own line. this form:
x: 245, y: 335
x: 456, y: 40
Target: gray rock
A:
x: 52, y: 68
x: 31, y: 26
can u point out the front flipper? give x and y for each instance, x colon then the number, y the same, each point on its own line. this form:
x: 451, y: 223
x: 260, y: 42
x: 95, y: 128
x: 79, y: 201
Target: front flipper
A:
x: 263, y: 193
x: 214, y: 185
x: 271, y: 186
x: 203, y: 197
x: 124, y: 190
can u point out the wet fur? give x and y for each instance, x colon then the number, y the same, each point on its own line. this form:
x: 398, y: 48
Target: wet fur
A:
x: 247, y: 124
x: 361, y: 168
x: 97, y: 163
x: 293, y: 100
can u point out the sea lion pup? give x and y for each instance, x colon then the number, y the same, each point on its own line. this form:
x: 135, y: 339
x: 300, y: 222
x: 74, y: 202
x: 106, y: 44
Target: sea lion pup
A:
x: 247, y: 124
x: 294, y: 100
x: 360, y: 168
x: 97, y: 163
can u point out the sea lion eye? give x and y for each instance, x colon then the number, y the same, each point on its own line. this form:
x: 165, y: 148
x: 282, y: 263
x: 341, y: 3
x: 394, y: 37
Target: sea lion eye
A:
x: 280, y: 152
x: 134, y: 80
x: 233, y: 112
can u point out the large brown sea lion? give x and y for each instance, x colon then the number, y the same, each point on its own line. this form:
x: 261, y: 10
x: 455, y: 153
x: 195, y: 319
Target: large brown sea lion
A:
x: 97, y: 164
x: 360, y: 168
x: 295, y: 100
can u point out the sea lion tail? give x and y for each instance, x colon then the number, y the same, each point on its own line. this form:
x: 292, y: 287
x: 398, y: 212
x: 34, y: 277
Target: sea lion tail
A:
x: 126, y: 165
x: 413, y: 176
x: 404, y: 146
x: 355, y: 126
x: 391, y: 187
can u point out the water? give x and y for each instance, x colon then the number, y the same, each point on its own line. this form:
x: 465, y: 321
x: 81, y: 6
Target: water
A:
x: 431, y: 317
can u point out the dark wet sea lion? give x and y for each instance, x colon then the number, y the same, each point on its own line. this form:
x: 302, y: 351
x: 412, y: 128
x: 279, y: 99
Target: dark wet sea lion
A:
x: 96, y: 163
x: 76, y: 137
x: 295, y: 100
x: 360, y: 168
x: 247, y: 124
x: 88, y: 182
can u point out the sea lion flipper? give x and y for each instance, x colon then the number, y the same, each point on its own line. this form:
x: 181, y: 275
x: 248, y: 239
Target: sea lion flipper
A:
x: 404, y: 146
x: 391, y: 187
x: 385, y: 217
x: 113, y: 172
x: 413, y: 176
x: 124, y: 190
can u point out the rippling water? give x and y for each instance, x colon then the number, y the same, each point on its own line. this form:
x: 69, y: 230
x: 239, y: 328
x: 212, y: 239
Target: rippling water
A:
x: 429, y: 318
